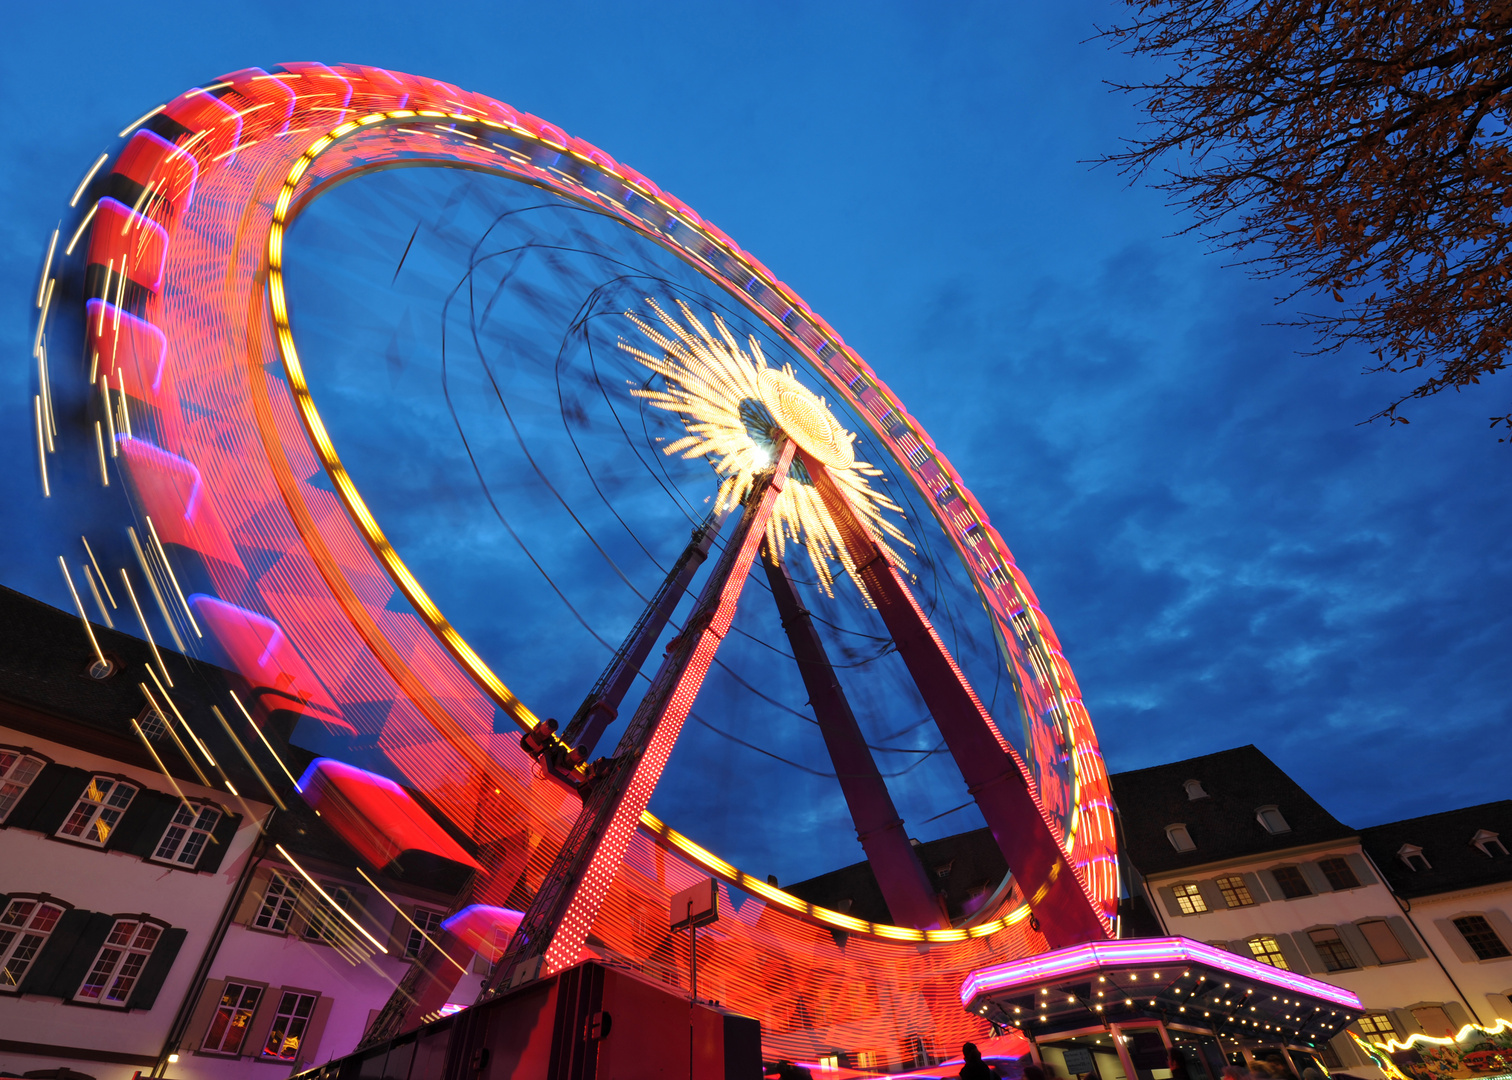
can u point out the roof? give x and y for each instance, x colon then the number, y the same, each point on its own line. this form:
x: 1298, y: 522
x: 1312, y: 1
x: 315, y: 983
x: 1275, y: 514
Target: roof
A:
x: 966, y: 867
x: 1224, y: 824
x: 1454, y: 862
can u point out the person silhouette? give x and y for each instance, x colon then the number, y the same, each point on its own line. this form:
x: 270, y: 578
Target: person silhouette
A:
x: 975, y: 1068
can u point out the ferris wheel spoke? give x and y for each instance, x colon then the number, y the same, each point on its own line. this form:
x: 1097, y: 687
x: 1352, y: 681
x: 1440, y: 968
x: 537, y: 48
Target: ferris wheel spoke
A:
x: 995, y: 777
x: 557, y: 922
x: 910, y: 900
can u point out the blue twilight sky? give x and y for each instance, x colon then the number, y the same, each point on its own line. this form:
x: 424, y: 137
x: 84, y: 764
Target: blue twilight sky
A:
x: 1226, y: 556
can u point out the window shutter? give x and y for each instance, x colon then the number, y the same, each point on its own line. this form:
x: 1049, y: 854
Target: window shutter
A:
x: 144, y: 823
x: 1502, y: 925
x: 399, y: 932
x: 1256, y: 889
x: 1309, y: 951
x: 64, y: 961
x: 1344, y: 1046
x: 1169, y: 899
x: 1358, y: 947
x: 1361, y: 868
x: 1291, y: 954
x: 1456, y: 940
x: 1406, y: 1024
x: 204, y: 1011
x: 1268, y: 881
x: 1211, y: 895
x: 1457, y: 1014
x: 251, y: 900
x: 262, y: 1022
x: 1501, y: 1005
x: 1316, y: 880
x: 221, y: 837
x: 46, y: 804
x: 1241, y: 948
x: 156, y: 969
x: 1407, y: 936
x: 310, y: 1047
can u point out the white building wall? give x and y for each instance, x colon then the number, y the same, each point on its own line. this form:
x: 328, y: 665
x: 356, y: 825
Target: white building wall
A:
x: 113, y: 882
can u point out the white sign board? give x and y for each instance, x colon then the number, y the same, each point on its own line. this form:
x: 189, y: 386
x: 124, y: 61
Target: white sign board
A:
x: 695, y: 906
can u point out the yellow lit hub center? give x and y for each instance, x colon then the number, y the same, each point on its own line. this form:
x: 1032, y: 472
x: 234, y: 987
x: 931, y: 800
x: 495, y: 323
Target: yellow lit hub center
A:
x: 709, y: 380
x: 806, y: 419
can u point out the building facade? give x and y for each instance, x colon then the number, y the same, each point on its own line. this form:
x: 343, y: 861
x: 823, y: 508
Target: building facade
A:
x: 1229, y: 850
x: 168, y: 903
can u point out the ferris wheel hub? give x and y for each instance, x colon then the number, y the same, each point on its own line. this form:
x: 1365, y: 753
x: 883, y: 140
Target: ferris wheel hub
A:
x: 804, y: 417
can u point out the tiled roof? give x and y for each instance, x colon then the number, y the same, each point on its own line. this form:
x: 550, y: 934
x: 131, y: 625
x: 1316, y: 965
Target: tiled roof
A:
x: 960, y: 866
x: 1223, y: 825
x: 1454, y: 863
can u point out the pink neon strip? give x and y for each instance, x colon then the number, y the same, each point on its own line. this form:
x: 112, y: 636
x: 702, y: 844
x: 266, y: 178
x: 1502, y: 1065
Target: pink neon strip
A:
x: 1095, y: 956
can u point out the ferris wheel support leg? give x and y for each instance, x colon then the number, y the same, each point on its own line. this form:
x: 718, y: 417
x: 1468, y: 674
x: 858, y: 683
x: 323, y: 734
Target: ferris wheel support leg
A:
x: 556, y: 925
x: 602, y: 704
x: 995, y: 776
x: 879, y: 828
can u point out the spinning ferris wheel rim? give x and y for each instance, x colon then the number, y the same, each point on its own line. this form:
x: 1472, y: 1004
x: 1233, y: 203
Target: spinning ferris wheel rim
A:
x: 676, y: 227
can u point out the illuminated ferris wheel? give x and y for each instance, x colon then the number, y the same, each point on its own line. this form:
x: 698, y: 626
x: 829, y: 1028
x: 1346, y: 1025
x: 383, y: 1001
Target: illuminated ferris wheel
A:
x: 777, y: 493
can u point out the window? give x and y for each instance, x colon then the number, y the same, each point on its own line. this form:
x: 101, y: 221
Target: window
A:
x: 17, y: 771
x: 187, y: 834
x: 1266, y: 950
x: 1194, y: 790
x: 1270, y: 817
x: 1377, y: 1024
x: 1189, y: 899
x: 289, y: 1025
x: 279, y: 902
x: 428, y: 921
x: 1292, y: 883
x: 228, y: 1027
x: 1180, y: 839
x: 152, y: 724
x: 1383, y: 942
x: 119, y: 962
x: 98, y: 810
x: 1338, y: 873
x: 24, y: 926
x: 1235, y: 892
x: 1480, y: 937
x: 322, y: 920
x: 1488, y: 841
x: 1412, y: 857
x: 1335, y: 956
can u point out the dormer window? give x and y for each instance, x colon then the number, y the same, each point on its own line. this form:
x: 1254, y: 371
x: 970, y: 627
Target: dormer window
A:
x: 1412, y: 858
x: 1194, y: 790
x: 1270, y: 817
x: 1180, y: 839
x: 1489, y: 843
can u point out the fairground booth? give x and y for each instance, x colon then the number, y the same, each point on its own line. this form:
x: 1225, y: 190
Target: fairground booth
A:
x: 1159, y: 1009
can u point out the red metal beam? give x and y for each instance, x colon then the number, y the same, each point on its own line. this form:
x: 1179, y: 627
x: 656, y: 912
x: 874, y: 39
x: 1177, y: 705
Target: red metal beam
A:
x: 995, y: 776
x: 893, y: 860
x: 559, y: 918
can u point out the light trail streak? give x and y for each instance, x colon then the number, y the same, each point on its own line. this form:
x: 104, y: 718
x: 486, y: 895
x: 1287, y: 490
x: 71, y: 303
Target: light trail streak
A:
x: 409, y: 920
x: 203, y: 749
x: 153, y: 585
x: 83, y: 618
x: 47, y: 263
x: 142, y: 619
x: 89, y: 577
x: 163, y: 554
x: 168, y: 726
x: 258, y: 731
x: 109, y: 416
x: 41, y: 445
x: 80, y: 230
x: 327, y: 896
x: 103, y: 584
x: 248, y: 757
x: 100, y: 449
x: 161, y: 767
x: 140, y: 121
